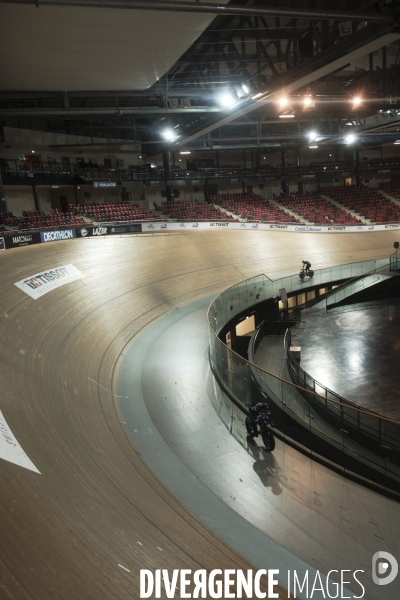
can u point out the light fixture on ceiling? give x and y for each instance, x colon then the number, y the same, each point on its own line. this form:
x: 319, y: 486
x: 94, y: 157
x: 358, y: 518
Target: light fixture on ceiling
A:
x: 283, y: 102
x: 169, y: 135
x: 396, y: 142
x: 350, y: 139
x: 185, y: 152
x: 313, y: 147
x: 287, y: 116
x: 312, y: 136
x: 356, y: 101
x: 308, y: 101
x: 227, y: 100
x: 33, y: 152
x: 256, y: 96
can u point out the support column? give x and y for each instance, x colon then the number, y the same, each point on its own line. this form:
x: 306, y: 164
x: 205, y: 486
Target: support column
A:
x: 168, y: 174
x: 358, y: 167
x: 35, y: 197
x: 284, y: 172
x: 76, y: 194
x: 3, y: 205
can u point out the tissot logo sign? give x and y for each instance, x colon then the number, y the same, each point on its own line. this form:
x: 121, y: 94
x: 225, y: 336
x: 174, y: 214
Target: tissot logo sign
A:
x: 54, y: 236
x: 39, y: 284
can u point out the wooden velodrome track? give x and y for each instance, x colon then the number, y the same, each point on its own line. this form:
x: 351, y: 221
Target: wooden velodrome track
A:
x: 96, y: 504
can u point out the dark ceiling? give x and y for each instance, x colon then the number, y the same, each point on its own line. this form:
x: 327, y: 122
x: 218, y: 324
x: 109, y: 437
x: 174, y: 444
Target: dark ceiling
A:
x: 331, y: 52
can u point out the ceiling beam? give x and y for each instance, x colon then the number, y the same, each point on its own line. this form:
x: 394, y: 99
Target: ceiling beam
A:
x: 365, y: 41
x: 74, y: 112
x: 211, y: 9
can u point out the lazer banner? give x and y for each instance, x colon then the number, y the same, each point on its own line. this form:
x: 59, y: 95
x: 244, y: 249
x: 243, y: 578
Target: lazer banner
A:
x: 39, y: 284
x: 55, y: 236
x: 91, y: 231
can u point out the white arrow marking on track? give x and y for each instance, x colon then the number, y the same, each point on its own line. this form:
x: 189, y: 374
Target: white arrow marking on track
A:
x: 10, y: 449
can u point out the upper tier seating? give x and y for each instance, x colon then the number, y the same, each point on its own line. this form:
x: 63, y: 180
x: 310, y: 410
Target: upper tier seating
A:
x: 253, y: 208
x: 316, y: 209
x: 121, y: 212
x: 366, y: 202
x: 187, y: 210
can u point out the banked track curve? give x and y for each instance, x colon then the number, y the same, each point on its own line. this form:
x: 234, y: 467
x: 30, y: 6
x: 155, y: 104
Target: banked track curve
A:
x: 96, y: 504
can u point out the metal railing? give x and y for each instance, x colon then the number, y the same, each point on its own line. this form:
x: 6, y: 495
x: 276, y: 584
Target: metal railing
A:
x: 341, y: 433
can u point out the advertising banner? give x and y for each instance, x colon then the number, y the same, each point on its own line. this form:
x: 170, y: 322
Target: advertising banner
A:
x: 90, y: 231
x: 41, y: 283
x: 130, y: 228
x: 298, y: 228
x: 2, y: 244
x: 54, y: 236
x: 104, y: 184
x: 100, y: 230
x: 24, y: 239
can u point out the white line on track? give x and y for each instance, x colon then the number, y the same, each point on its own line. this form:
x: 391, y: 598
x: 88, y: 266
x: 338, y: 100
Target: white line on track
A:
x: 92, y: 380
x: 125, y: 569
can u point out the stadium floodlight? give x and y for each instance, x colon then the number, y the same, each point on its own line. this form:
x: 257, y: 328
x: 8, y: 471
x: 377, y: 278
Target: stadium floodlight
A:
x: 357, y: 101
x: 312, y: 136
x: 287, y: 116
x: 350, y: 139
x: 245, y: 88
x: 308, y: 101
x: 257, y: 96
x: 227, y: 100
x: 169, y: 134
x: 283, y: 102
x: 313, y: 147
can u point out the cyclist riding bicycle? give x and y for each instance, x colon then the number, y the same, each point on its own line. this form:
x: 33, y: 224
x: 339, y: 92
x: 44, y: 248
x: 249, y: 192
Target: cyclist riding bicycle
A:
x: 306, y: 265
x: 255, y: 414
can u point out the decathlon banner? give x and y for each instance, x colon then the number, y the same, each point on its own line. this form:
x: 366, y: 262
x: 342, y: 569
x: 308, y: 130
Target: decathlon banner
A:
x: 54, y: 236
x: 46, y: 281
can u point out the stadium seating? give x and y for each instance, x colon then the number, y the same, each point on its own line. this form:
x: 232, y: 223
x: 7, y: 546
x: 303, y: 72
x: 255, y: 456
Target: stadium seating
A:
x: 187, y: 210
x: 315, y: 209
x: 367, y: 202
x: 35, y: 219
x: 253, y: 208
x: 121, y: 212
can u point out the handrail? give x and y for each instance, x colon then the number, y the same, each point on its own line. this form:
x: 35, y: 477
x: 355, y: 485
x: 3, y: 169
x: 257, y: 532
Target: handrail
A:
x: 356, y: 408
x: 353, y: 439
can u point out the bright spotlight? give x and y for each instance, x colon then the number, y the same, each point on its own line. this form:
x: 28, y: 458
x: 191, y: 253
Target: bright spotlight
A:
x: 350, y: 139
x: 283, y: 102
x: 357, y: 101
x: 245, y: 88
x: 312, y: 136
x: 308, y: 101
x: 227, y: 100
x: 169, y: 135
